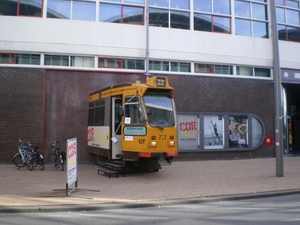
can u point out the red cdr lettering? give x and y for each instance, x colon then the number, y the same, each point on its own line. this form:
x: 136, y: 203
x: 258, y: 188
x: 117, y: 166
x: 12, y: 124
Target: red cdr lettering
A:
x: 188, y: 126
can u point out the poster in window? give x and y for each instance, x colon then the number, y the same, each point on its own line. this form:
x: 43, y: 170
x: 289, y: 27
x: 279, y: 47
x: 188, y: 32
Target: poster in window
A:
x: 213, y: 132
x: 187, y: 132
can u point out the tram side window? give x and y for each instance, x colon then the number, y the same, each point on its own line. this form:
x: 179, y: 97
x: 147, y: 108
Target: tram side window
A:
x: 91, y: 115
x: 133, y: 112
x: 99, y: 113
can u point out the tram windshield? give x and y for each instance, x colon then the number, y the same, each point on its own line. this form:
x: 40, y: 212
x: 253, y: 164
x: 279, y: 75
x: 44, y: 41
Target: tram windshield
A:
x: 160, y: 112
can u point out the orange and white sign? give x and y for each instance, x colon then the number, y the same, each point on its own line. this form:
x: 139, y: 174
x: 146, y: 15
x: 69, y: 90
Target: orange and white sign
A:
x: 72, y: 160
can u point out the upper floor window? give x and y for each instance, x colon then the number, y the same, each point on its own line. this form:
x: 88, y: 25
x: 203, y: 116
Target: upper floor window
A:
x: 57, y: 60
x: 251, y: 19
x: 7, y: 58
x: 173, y: 13
x: 116, y: 13
x: 21, y: 8
x: 213, y: 6
x: 31, y: 59
x: 212, y: 15
x: 215, y: 69
x: 76, y: 10
x: 81, y: 61
x: 250, y: 71
x: 288, y: 19
x: 140, y: 2
x: 122, y: 63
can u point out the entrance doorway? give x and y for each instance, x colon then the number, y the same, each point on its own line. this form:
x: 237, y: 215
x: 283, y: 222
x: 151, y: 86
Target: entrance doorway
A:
x: 292, y: 122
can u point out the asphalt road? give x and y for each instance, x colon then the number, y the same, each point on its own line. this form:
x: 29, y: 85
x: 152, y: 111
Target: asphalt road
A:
x: 263, y: 211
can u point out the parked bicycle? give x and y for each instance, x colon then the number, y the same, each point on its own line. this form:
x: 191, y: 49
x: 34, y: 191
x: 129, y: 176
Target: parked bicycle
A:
x: 36, y: 156
x: 57, y: 158
x: 23, y: 157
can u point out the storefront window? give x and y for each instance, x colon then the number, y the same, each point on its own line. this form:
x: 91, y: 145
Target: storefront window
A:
x: 188, y: 132
x: 238, y: 131
x: 213, y: 132
x: 219, y: 132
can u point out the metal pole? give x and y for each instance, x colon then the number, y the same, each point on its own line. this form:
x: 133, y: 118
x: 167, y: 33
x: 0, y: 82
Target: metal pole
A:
x: 147, y: 40
x: 277, y: 91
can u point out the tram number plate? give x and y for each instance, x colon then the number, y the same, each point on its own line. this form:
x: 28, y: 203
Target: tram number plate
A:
x: 162, y: 137
x: 141, y: 141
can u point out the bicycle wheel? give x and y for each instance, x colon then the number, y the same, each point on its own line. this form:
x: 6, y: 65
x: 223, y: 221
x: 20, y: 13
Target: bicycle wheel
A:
x: 41, y: 164
x: 35, y: 160
x: 29, y: 163
x: 53, y: 159
x: 17, y: 160
x: 62, y: 166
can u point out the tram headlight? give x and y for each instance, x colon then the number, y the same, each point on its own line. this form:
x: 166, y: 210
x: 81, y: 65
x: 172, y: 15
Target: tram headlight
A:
x: 172, y: 143
x: 153, y: 143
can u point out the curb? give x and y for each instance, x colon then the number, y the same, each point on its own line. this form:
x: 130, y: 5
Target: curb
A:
x: 145, y: 204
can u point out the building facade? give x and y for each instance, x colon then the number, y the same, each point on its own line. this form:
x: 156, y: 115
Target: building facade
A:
x: 218, y: 55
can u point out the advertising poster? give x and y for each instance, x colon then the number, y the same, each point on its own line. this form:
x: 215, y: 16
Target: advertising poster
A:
x: 98, y: 137
x: 188, y: 132
x: 72, y: 160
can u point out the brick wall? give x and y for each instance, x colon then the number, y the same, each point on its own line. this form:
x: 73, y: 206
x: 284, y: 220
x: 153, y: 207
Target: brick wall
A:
x: 67, y: 93
x: 21, y: 104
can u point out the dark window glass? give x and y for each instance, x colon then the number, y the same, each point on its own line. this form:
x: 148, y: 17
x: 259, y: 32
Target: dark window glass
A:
x: 28, y: 59
x: 31, y: 7
x: 180, y: 20
x: 223, y: 69
x: 7, y: 58
x: 158, y: 17
x: 99, y: 113
x: 58, y: 9
x: 221, y: 24
x: 260, y: 29
x: 202, y: 22
x: 201, y: 68
x: 8, y: 7
x: 133, y: 15
x: 243, y: 27
x: 112, y: 63
x: 91, y: 115
x: 159, y: 65
x: 83, y: 10
x: 293, y: 34
x: 110, y: 13
x: 180, y: 67
x: 282, y: 35
x: 261, y: 72
x: 57, y: 60
x: 133, y: 64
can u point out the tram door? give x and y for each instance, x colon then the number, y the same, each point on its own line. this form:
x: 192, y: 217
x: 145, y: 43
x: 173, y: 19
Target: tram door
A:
x: 116, y: 129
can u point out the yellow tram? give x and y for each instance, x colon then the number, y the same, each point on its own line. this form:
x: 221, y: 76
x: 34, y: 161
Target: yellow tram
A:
x: 134, y: 122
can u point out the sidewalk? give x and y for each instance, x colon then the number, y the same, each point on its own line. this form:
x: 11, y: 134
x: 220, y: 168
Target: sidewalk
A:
x: 182, y: 182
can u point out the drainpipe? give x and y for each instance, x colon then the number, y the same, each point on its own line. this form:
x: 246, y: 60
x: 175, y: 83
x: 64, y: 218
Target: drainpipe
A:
x: 277, y: 91
x: 147, y: 40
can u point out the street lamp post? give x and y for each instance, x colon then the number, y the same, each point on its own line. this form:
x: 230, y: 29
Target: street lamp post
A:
x: 277, y: 91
